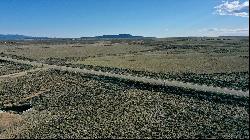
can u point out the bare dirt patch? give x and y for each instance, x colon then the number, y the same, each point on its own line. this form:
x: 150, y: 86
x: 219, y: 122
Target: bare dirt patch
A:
x: 8, y: 120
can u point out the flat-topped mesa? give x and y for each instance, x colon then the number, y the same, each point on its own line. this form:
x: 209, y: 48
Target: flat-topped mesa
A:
x: 128, y: 36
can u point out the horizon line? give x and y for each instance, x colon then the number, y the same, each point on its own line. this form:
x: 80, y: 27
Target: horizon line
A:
x: 123, y: 34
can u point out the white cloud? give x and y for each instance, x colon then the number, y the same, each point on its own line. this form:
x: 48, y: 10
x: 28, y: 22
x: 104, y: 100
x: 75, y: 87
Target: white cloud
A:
x: 234, y: 8
x: 225, y: 31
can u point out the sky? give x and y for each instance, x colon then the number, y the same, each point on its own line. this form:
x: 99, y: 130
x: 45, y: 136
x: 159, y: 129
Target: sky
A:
x: 152, y: 18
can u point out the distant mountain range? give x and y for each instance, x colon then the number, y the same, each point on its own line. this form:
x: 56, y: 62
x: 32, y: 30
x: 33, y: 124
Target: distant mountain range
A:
x: 19, y: 37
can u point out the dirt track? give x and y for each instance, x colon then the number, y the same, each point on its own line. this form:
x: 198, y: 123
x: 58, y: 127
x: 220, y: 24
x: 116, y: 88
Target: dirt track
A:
x: 197, y: 87
x: 13, y: 75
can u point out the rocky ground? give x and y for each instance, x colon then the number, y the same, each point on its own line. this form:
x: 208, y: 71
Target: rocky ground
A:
x: 71, y: 105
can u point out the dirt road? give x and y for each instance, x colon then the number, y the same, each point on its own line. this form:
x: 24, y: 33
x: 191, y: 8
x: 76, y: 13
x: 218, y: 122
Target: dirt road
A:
x: 192, y: 86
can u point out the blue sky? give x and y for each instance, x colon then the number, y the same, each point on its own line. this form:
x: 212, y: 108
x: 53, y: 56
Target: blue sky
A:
x: 160, y: 18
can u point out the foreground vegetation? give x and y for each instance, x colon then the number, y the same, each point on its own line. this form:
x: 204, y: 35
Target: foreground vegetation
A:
x: 84, y: 106
x: 10, y: 67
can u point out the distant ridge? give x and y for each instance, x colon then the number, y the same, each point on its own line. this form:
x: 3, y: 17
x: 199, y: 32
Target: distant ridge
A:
x: 236, y: 36
x: 19, y: 37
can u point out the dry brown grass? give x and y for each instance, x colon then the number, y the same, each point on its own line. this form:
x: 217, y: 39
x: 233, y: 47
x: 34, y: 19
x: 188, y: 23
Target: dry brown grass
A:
x: 62, y: 51
x: 189, y: 62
